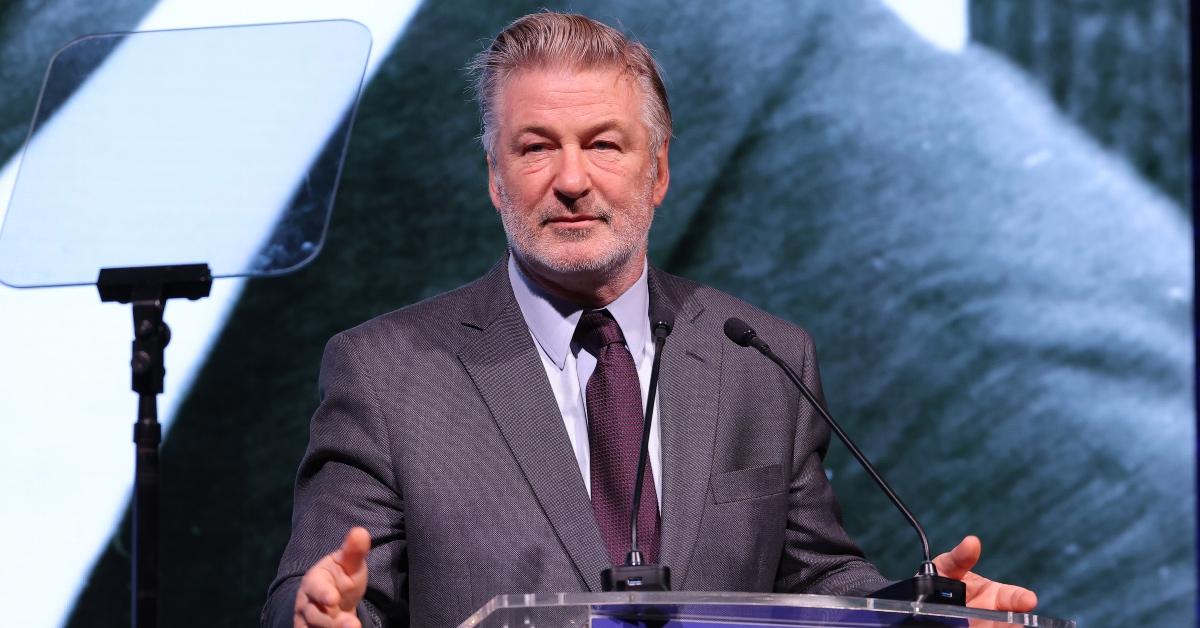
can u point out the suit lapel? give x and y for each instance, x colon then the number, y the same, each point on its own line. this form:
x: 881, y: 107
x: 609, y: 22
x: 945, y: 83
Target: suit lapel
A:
x: 688, y: 401
x: 504, y: 364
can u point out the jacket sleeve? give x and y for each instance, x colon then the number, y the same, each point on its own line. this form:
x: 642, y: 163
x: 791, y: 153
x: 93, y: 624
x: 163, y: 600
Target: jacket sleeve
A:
x: 346, y: 478
x: 818, y: 555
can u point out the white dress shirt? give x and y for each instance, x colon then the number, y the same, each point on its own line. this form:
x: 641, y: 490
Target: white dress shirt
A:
x: 552, y: 323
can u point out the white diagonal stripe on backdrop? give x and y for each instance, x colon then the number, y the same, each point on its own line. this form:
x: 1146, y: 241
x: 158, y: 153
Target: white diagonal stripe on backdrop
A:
x: 66, y: 459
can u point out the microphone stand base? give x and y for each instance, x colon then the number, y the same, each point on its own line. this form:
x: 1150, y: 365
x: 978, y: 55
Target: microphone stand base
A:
x: 636, y: 578
x: 926, y: 588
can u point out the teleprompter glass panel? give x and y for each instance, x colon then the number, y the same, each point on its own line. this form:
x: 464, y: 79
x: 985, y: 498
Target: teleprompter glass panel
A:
x: 211, y: 145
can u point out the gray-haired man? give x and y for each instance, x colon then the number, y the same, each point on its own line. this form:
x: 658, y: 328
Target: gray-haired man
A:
x: 460, y: 433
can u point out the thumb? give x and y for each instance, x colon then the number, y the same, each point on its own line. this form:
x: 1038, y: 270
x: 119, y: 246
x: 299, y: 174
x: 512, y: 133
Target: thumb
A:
x: 352, y: 556
x: 958, y: 561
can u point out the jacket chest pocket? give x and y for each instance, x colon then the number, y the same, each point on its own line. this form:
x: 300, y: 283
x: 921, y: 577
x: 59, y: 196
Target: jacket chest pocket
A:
x: 732, y: 486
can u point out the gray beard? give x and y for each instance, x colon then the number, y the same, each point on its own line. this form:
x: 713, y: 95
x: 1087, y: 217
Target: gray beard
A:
x: 537, y: 253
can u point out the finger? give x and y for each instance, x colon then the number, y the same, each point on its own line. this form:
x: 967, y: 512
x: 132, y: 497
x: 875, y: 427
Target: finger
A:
x: 958, y: 561
x: 319, y: 586
x: 348, y: 620
x: 298, y: 609
x: 352, y: 556
x: 312, y: 616
x: 1014, y: 598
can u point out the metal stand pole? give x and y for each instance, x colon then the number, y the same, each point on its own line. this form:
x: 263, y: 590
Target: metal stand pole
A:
x: 151, y: 336
x: 148, y: 289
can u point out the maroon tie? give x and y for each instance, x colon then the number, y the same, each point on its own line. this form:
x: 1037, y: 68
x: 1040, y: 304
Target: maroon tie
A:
x: 614, y: 415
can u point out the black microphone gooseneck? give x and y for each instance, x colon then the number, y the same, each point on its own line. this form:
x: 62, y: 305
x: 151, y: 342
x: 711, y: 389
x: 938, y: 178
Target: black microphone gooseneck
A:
x: 927, y: 585
x: 662, y: 329
x: 635, y: 574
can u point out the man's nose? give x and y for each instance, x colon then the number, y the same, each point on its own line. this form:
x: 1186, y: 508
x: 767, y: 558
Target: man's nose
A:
x: 572, y: 180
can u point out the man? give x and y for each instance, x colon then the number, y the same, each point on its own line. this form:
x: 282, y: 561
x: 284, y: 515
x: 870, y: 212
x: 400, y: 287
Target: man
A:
x: 483, y: 439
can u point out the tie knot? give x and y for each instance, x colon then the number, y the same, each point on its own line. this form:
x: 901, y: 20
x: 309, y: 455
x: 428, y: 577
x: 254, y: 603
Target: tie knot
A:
x: 598, y: 329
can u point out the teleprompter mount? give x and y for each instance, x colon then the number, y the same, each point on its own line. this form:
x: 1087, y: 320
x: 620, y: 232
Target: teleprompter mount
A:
x: 148, y: 288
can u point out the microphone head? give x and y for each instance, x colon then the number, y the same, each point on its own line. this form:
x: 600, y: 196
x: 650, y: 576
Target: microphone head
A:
x: 739, y: 332
x: 661, y: 316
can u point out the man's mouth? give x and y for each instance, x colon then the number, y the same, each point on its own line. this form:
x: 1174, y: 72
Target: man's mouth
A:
x: 574, y: 219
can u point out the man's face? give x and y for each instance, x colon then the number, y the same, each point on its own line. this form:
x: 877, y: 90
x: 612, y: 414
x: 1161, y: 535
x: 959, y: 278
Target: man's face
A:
x: 572, y: 173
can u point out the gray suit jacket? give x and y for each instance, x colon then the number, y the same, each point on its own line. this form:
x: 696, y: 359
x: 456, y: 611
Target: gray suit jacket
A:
x: 438, y: 432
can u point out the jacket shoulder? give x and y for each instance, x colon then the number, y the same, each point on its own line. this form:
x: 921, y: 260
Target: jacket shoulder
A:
x: 715, y: 306
x: 442, y: 318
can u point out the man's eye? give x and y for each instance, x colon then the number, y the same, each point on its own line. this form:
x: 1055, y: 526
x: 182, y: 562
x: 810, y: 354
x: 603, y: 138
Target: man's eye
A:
x: 534, y: 148
x: 604, y: 145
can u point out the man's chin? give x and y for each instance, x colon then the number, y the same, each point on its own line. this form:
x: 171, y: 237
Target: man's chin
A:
x: 569, y: 260
x: 578, y: 265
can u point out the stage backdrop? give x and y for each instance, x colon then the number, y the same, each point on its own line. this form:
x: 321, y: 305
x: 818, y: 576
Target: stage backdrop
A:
x: 989, y: 242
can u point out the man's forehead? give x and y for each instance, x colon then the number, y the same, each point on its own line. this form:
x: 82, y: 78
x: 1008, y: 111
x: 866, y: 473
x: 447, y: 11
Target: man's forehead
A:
x: 532, y: 83
x: 529, y: 95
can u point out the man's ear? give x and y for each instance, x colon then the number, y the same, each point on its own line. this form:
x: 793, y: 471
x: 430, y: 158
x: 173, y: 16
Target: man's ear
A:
x: 493, y: 181
x: 663, y: 177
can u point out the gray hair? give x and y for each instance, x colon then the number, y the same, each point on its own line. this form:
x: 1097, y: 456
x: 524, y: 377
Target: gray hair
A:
x: 548, y: 40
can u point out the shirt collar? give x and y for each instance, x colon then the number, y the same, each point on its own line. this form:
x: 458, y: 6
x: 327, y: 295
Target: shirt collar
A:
x: 552, y: 320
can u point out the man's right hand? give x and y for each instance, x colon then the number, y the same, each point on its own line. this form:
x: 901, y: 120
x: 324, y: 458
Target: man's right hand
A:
x: 332, y: 588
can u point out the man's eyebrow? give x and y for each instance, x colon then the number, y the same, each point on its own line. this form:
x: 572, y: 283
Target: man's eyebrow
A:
x: 534, y: 129
x: 605, y: 125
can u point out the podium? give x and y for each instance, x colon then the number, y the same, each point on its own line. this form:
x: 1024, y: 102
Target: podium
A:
x: 721, y: 610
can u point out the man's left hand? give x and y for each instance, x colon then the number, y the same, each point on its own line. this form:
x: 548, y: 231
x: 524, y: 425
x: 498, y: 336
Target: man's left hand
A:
x: 981, y: 592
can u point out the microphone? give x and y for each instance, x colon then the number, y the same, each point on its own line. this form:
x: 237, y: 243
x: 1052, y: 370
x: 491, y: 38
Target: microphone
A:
x: 635, y: 574
x: 926, y: 585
